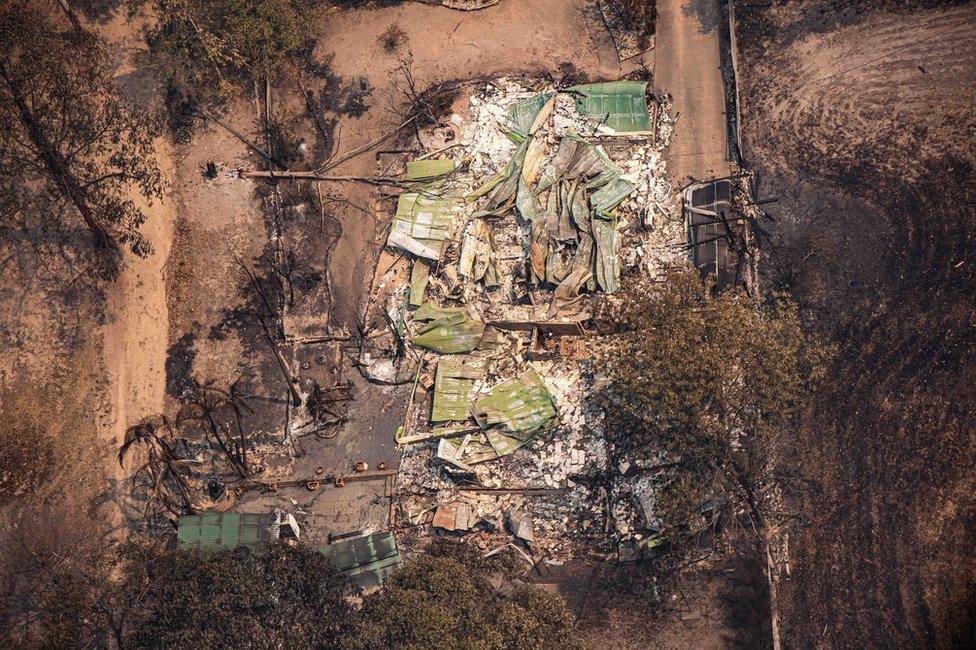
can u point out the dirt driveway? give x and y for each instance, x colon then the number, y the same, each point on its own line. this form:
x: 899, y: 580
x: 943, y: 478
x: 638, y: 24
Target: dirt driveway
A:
x: 687, y: 65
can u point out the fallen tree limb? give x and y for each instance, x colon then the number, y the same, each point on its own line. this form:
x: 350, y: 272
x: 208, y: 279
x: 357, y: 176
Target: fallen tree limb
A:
x: 366, y: 147
x: 240, y: 136
x: 318, y: 176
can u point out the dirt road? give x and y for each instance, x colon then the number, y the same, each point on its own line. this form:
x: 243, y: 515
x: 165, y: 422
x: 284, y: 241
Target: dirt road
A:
x: 135, y: 337
x: 137, y: 319
x: 687, y: 65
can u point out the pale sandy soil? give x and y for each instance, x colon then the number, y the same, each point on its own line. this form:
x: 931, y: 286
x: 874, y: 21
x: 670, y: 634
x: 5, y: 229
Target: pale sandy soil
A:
x: 134, y: 336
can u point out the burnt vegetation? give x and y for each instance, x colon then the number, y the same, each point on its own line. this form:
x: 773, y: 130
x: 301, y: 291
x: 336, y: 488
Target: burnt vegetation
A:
x: 72, y: 151
x: 141, y: 595
x: 704, y: 393
x: 888, y: 504
x: 638, y: 16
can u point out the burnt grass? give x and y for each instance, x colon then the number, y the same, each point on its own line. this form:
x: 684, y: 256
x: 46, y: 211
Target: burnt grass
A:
x: 883, y: 266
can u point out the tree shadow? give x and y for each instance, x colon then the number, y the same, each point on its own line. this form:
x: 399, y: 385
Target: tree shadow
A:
x: 707, y: 12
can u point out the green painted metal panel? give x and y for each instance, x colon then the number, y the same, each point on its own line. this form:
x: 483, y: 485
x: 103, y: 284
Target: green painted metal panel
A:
x: 621, y: 105
x: 521, y: 407
x: 430, y: 311
x: 419, y: 276
x: 450, y: 335
x: 607, y: 269
x: 214, y: 530
x: 423, y: 220
x: 375, y: 573
x: 610, y: 196
x: 521, y: 116
x: 419, y: 170
x: 455, y: 384
x: 367, y: 560
x: 423, y: 217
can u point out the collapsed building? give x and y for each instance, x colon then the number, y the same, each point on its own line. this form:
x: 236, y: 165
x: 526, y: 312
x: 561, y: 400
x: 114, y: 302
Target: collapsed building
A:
x: 542, y: 203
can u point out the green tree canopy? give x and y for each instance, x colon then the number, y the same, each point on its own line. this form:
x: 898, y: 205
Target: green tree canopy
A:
x: 707, y: 387
x: 78, y: 591
x: 289, y: 596
x: 204, y: 48
x: 447, y: 601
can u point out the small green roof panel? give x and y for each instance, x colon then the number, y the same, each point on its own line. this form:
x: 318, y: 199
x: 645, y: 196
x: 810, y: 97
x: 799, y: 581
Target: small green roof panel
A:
x: 216, y: 530
x: 368, y: 560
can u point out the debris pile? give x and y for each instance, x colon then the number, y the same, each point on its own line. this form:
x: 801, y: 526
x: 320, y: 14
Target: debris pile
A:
x: 497, y: 255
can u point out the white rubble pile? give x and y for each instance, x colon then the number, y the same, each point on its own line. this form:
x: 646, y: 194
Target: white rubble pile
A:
x: 589, y: 501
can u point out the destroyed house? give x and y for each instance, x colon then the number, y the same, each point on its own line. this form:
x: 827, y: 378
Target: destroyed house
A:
x: 228, y: 530
x: 555, y: 197
x: 367, y: 561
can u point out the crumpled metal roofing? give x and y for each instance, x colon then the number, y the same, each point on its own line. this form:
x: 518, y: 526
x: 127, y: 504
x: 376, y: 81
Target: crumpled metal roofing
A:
x: 510, y: 415
x: 621, y: 105
x: 429, y: 169
x: 455, y: 386
x: 521, y: 406
x: 427, y: 220
x: 479, y: 260
x: 367, y: 561
x: 424, y: 218
x: 450, y: 331
x: 523, y: 114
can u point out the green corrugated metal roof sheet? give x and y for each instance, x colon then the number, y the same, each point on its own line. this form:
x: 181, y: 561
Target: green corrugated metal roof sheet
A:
x: 606, y: 266
x: 368, y: 560
x: 213, y: 530
x: 425, y: 219
x: 454, y: 390
x: 419, y: 277
x: 449, y: 334
x: 430, y: 311
x: 419, y: 170
x: 503, y: 184
x: 521, y: 116
x: 522, y: 406
x: 618, y: 104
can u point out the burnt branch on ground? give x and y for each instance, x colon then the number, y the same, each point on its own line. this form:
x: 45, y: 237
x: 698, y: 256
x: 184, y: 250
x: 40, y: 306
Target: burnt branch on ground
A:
x: 419, y: 103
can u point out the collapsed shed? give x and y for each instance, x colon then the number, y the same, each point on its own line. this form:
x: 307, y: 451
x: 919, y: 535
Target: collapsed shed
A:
x: 550, y: 208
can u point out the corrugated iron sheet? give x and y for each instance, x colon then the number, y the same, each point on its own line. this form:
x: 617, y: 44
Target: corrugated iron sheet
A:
x: 523, y: 114
x: 450, y: 334
x: 425, y: 219
x: 421, y: 170
x: 455, y: 385
x: 621, y: 105
x: 368, y: 560
x: 522, y: 406
x: 215, y: 530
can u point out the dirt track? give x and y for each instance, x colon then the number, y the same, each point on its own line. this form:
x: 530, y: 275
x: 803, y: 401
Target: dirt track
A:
x: 861, y: 120
x: 686, y: 65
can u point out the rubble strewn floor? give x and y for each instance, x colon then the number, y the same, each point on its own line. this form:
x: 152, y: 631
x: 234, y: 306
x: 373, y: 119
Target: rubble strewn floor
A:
x: 549, y: 483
